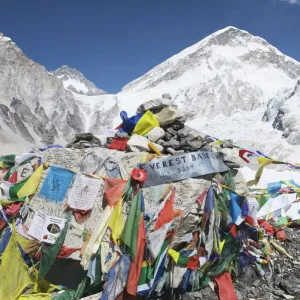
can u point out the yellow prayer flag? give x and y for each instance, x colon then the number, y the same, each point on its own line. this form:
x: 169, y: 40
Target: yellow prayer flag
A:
x: 30, y: 187
x: 222, y: 245
x: 174, y: 254
x: 116, y: 222
x: 263, y: 160
x: 147, y: 122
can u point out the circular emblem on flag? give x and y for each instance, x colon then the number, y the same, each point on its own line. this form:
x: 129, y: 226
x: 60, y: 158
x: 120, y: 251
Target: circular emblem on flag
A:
x: 139, y: 175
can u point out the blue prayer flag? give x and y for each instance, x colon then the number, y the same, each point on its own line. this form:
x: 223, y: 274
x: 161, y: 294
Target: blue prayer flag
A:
x: 56, y: 184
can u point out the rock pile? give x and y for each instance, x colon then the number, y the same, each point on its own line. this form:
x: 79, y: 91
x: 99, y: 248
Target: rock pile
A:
x: 207, y: 212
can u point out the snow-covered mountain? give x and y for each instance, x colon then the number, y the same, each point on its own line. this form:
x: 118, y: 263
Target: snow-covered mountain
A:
x: 230, y: 85
x: 224, y: 84
x: 74, y: 81
x: 229, y: 70
x: 34, y: 105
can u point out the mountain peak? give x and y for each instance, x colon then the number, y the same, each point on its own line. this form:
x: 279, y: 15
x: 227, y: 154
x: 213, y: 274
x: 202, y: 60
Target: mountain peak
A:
x: 75, y: 81
x: 5, y: 40
x: 229, y: 48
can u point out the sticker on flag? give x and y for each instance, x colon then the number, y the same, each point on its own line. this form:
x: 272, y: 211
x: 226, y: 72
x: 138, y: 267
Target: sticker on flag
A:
x: 182, y: 166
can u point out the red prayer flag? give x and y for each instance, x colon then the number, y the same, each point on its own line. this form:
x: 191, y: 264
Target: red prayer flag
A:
x: 166, y: 215
x: 13, y: 209
x: 243, y: 152
x: 118, y: 144
x: 113, y: 190
x: 233, y: 230
x: 136, y: 265
x: 225, y: 287
x: 13, y: 177
x: 193, y: 262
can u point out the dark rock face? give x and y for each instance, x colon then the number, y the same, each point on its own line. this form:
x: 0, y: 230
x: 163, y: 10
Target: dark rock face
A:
x: 278, y: 124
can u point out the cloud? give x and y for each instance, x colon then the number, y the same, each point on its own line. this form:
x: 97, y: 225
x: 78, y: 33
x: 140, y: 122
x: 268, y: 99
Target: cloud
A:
x: 292, y: 1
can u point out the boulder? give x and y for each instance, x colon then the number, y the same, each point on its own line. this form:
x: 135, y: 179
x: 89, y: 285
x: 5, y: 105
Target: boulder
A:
x: 166, y: 116
x: 84, y: 136
x: 139, y: 143
x: 153, y: 105
x: 155, y: 134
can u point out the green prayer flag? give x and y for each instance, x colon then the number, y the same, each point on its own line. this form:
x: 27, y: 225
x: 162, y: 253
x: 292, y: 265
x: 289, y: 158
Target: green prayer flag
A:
x: 130, y: 230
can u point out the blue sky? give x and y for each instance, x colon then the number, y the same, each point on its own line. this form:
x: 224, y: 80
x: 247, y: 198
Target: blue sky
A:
x: 112, y: 42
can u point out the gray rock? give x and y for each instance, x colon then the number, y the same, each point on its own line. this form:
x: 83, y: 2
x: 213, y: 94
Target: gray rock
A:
x: 232, y: 165
x: 171, y: 131
x: 291, y: 285
x: 123, y: 134
x: 183, y: 132
x: 174, y: 152
x: 268, y: 296
x: 166, y: 116
x: 194, y: 145
x: 160, y: 142
x: 184, y: 142
x: 278, y: 292
x: 166, y: 96
x: 72, y: 142
x: 289, y: 234
x: 227, y: 144
x: 182, y: 116
x: 166, y: 144
x: 256, y: 283
x: 153, y: 104
x: 138, y: 143
x: 193, y: 134
x: 203, y: 148
x: 167, y: 136
x: 255, y: 291
x: 174, y: 144
x: 178, y: 125
x: 288, y: 297
x: 109, y: 140
x: 155, y: 134
x: 84, y: 136
x: 278, y: 279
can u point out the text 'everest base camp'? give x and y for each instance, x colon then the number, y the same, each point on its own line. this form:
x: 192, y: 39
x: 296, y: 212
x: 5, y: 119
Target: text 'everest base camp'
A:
x: 143, y: 204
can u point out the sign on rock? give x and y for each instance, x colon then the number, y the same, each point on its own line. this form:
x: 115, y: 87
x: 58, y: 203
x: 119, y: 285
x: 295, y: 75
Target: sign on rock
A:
x: 183, y: 166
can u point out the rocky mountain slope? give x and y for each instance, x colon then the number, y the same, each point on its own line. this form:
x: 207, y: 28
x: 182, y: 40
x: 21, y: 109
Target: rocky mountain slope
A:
x: 34, y: 105
x: 74, y: 81
x: 283, y: 111
x: 230, y: 85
